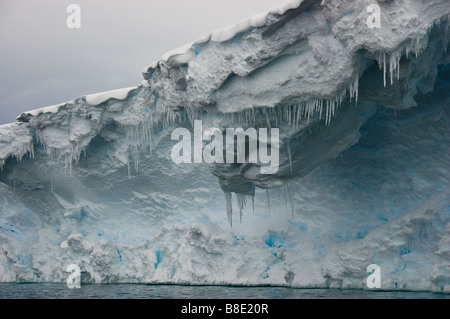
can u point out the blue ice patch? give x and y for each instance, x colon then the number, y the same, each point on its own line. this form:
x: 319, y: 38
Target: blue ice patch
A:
x: 173, y: 272
x: 266, y: 272
x: 273, y: 240
x: 196, y: 49
x: 405, y: 251
x: 158, y: 258
x: 9, y: 228
x: 23, y: 260
x: 303, y: 228
x: 362, y: 232
x: 120, y: 256
x: 322, y: 251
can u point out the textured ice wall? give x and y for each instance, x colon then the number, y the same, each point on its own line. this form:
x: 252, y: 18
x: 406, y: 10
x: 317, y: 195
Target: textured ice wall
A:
x: 99, y: 188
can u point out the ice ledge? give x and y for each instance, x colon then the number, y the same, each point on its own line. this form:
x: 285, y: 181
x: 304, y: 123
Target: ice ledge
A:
x: 222, y: 35
x: 16, y: 140
x: 91, y: 99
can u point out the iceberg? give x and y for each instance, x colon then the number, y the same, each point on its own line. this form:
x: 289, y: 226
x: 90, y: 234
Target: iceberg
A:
x: 363, y: 174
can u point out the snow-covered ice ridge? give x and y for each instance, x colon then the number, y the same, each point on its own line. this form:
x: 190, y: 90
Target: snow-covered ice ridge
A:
x: 363, y: 177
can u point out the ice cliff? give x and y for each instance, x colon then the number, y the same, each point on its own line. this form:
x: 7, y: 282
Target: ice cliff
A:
x: 364, y: 121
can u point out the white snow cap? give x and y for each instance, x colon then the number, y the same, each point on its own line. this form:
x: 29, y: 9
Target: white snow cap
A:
x: 99, y: 98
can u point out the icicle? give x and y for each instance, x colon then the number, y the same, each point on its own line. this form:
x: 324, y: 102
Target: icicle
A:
x: 398, y: 67
x: 416, y: 48
x: 330, y: 114
x: 354, y: 88
x: 320, y: 108
x: 253, y: 203
x: 293, y: 113
x: 240, y: 199
x: 290, y: 157
x: 268, y: 199
x: 128, y: 166
x: 24, y: 149
x: 394, y: 65
x: 298, y: 115
x: 268, y: 120
x: 391, y: 68
x: 229, y: 208
x: 394, y: 62
x: 291, y: 199
x: 331, y: 105
x: 309, y: 110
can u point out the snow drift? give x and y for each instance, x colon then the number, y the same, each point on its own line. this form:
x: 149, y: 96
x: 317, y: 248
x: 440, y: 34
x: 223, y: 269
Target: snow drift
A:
x: 363, y: 115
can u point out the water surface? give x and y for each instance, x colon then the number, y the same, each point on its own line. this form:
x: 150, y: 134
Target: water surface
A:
x: 140, y: 291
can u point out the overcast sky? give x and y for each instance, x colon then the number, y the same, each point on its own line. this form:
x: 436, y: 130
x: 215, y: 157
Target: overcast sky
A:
x: 43, y: 62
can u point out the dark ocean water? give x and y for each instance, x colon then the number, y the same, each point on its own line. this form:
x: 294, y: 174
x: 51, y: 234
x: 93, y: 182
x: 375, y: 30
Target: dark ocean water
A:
x: 138, y: 291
